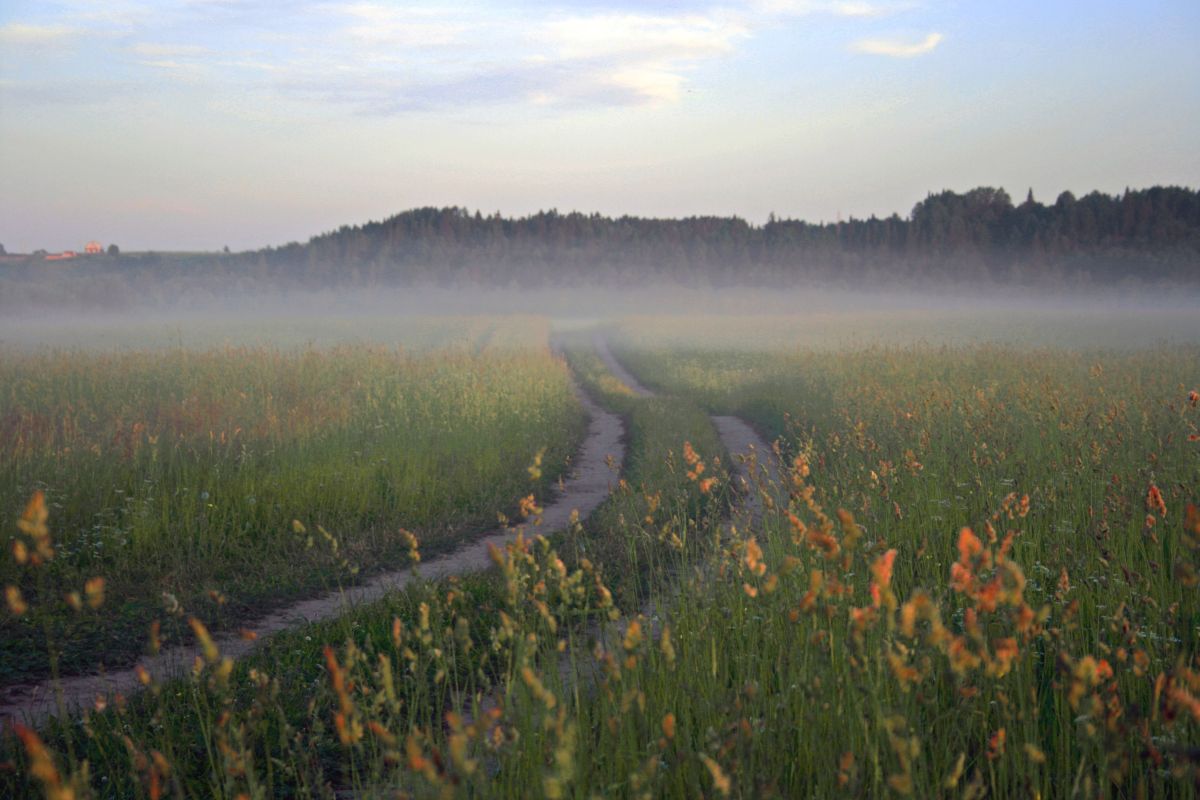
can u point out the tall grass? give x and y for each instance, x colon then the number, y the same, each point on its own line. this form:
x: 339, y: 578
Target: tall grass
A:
x: 178, y: 473
x: 977, y: 578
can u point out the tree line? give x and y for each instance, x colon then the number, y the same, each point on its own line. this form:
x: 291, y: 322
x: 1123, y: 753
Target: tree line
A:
x: 979, y: 236
x: 1154, y: 232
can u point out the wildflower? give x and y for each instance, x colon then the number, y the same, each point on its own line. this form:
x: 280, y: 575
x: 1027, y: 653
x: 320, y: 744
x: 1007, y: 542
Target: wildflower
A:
x: 996, y: 744
x: 851, y: 530
x: 41, y: 765
x: 903, y: 672
x: 1086, y: 675
x: 720, y: 780
x: 823, y: 541
x: 988, y: 596
x: 33, y: 524
x: 668, y: 725
x: 528, y: 507
x: 881, y: 573
x: 207, y: 645
x: 845, y: 768
x: 800, y: 466
x: 93, y: 590
x: 901, y: 783
x: 962, y: 660
x: 633, y: 636
x: 753, y: 557
x: 666, y: 646
x: 416, y: 761
x: 881, y: 569
x: 955, y: 775
x: 381, y: 733
x: 1004, y: 651
x: 962, y: 579
x: 1154, y: 501
x: 16, y: 603
x: 969, y: 546
x: 535, y: 469
x: 538, y: 688
x: 1183, y: 699
x: 458, y: 749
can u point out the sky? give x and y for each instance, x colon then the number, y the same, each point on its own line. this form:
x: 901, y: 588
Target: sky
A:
x: 198, y: 124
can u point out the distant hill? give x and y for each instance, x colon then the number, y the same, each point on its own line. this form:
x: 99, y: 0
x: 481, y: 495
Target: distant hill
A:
x: 980, y: 236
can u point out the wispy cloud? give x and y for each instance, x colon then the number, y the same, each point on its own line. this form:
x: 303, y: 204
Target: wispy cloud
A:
x: 376, y: 24
x: 632, y: 58
x: 841, y: 8
x: 42, y: 93
x: 897, y: 48
x: 157, y: 50
x: 640, y: 35
x: 17, y: 33
x: 378, y: 57
x: 601, y: 58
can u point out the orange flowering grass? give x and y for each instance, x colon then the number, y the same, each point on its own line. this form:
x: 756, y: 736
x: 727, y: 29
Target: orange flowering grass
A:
x: 1012, y: 624
x: 181, y: 471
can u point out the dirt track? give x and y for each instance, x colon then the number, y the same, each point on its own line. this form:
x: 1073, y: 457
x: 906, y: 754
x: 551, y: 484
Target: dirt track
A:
x: 586, y: 488
x: 748, y: 449
x: 589, y: 483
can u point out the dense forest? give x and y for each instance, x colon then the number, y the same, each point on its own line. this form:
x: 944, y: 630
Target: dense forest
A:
x: 976, y: 234
x: 1147, y: 235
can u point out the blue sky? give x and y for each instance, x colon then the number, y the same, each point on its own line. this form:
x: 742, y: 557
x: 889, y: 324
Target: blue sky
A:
x: 200, y: 123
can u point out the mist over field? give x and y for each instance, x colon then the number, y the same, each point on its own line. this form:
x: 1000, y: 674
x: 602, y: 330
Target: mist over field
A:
x: 1138, y: 249
x: 706, y: 399
x: 739, y: 319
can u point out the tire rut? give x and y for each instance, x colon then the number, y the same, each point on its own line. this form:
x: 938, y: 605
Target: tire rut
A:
x: 588, y: 484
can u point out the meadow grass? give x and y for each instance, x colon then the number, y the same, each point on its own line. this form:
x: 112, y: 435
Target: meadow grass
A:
x: 1008, y: 605
x: 175, y: 475
x: 977, y: 579
x: 267, y: 726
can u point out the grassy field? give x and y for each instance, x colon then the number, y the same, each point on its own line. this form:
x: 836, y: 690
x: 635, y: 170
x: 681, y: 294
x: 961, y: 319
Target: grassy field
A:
x: 175, y: 475
x: 446, y: 646
x: 1009, y: 605
x: 979, y: 579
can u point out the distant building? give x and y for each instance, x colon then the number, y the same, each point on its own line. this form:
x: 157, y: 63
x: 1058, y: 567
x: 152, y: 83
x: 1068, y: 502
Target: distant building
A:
x: 93, y: 248
x: 63, y: 256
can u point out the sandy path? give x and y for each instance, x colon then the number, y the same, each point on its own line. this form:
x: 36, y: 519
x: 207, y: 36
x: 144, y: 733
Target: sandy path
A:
x: 756, y: 470
x: 617, y: 368
x: 584, y: 489
x: 755, y: 463
x: 756, y: 467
